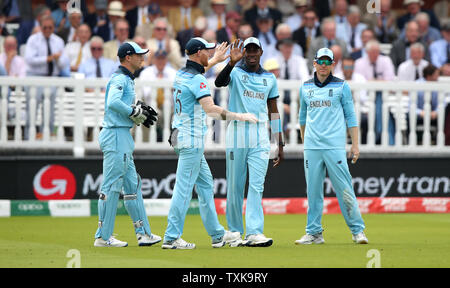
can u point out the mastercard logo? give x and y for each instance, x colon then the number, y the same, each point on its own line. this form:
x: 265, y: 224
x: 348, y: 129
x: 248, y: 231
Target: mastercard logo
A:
x: 54, y: 182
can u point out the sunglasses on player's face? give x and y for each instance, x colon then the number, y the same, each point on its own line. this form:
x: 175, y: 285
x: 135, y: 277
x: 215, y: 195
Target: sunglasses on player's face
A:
x: 327, y: 62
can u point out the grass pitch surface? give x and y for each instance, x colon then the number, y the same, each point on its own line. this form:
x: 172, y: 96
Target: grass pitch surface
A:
x: 402, y: 240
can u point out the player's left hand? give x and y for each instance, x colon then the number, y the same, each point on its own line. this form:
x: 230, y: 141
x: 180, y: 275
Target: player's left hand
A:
x: 354, y: 153
x: 280, y: 156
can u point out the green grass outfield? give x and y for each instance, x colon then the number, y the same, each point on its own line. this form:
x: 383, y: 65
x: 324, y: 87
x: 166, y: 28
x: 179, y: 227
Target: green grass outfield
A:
x: 403, y: 240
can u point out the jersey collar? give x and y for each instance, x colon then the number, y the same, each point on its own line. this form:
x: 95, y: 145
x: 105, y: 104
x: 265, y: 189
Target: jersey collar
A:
x: 319, y: 84
x: 244, y: 67
x: 196, y: 66
x: 127, y: 72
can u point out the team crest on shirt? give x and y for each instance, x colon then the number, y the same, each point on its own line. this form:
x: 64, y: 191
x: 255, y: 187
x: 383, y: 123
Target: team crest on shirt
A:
x: 310, y: 93
x: 244, y: 78
x: 202, y: 85
x: 264, y: 82
x: 330, y: 93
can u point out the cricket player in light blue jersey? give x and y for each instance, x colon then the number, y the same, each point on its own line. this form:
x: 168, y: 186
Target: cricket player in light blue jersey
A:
x: 252, y: 90
x: 193, y: 101
x: 117, y: 145
x: 326, y: 111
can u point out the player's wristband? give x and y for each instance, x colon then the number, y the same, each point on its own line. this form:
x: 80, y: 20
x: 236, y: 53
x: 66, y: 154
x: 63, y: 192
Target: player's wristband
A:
x: 275, y: 126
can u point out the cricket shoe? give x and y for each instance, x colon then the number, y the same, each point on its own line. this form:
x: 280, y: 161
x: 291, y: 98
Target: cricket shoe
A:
x: 178, y: 244
x: 111, y: 242
x: 360, y: 238
x: 228, y: 238
x: 147, y: 240
x: 258, y: 240
x: 310, y: 239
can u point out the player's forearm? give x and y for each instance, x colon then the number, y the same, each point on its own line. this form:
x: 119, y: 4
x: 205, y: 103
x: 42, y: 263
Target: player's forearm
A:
x: 223, y: 78
x: 354, y: 135
x: 302, y: 132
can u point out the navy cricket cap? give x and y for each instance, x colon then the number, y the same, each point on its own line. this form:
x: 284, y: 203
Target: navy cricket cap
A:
x: 130, y: 48
x: 197, y: 44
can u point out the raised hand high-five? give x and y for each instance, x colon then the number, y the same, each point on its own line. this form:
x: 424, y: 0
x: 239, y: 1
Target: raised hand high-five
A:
x: 236, y: 52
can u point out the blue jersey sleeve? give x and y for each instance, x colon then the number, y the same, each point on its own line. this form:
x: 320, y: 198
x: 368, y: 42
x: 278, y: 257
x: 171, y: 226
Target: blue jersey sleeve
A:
x: 274, y: 91
x: 115, y: 93
x: 347, y: 105
x: 199, y: 87
x: 302, y: 111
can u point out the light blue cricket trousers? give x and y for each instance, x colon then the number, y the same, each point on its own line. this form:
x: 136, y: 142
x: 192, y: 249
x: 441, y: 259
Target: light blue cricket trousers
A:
x: 192, y: 169
x: 316, y: 163
x: 244, y: 151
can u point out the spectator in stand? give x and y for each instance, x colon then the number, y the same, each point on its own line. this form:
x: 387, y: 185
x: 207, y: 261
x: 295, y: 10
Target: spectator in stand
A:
x: 348, y: 74
x: 383, y: 23
x: 184, y: 16
x: 337, y: 52
x: 400, y: 51
x: 14, y: 64
x: 412, y: 69
x: 366, y: 36
x: 327, y: 39
x: 440, y: 50
x: 61, y: 16
x: 430, y: 74
x: 121, y: 30
x: 26, y: 27
x: 309, y: 30
x: 261, y: 9
x: 160, y: 70
x: 184, y: 36
x: 340, y: 11
x: 245, y: 31
x: 377, y: 67
x: 138, y: 15
x: 266, y: 36
x: 217, y: 19
x: 272, y: 65
x: 161, y: 41
x: 78, y: 51
x: 296, y: 20
x: 230, y: 31
x: 69, y: 34
x: 99, y: 20
x: 146, y: 29
x: 427, y: 33
x: 351, y: 30
x: 442, y: 10
x: 97, y: 66
x: 44, y: 54
x: 292, y: 67
x: 282, y: 32
x: 413, y: 7
x: 115, y: 13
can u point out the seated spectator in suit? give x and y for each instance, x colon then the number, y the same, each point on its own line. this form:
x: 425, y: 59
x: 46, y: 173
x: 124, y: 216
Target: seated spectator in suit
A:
x: 69, y: 34
x: 217, y: 19
x: 412, y: 69
x: 138, y: 15
x: 340, y: 11
x: 383, y: 23
x: 14, y: 64
x: 430, y: 74
x: 79, y: 50
x: 183, y: 17
x: 309, y: 30
x: 427, y: 33
x: 26, y: 27
x: 327, y: 39
x: 442, y: 10
x: 146, y: 29
x: 366, y: 35
x: 184, y: 36
x: 121, y: 30
x: 440, y: 50
x: 97, y: 66
x: 266, y: 36
x: 115, y: 12
x: 400, y: 51
x: 162, y: 41
x: 295, y: 20
x: 282, y: 32
x: 262, y: 9
x: 350, y: 31
x: 230, y: 31
x: 99, y: 20
x: 412, y: 8
x: 377, y: 67
x: 61, y: 16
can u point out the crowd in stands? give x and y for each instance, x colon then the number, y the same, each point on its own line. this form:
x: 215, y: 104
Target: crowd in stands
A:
x: 54, y: 41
